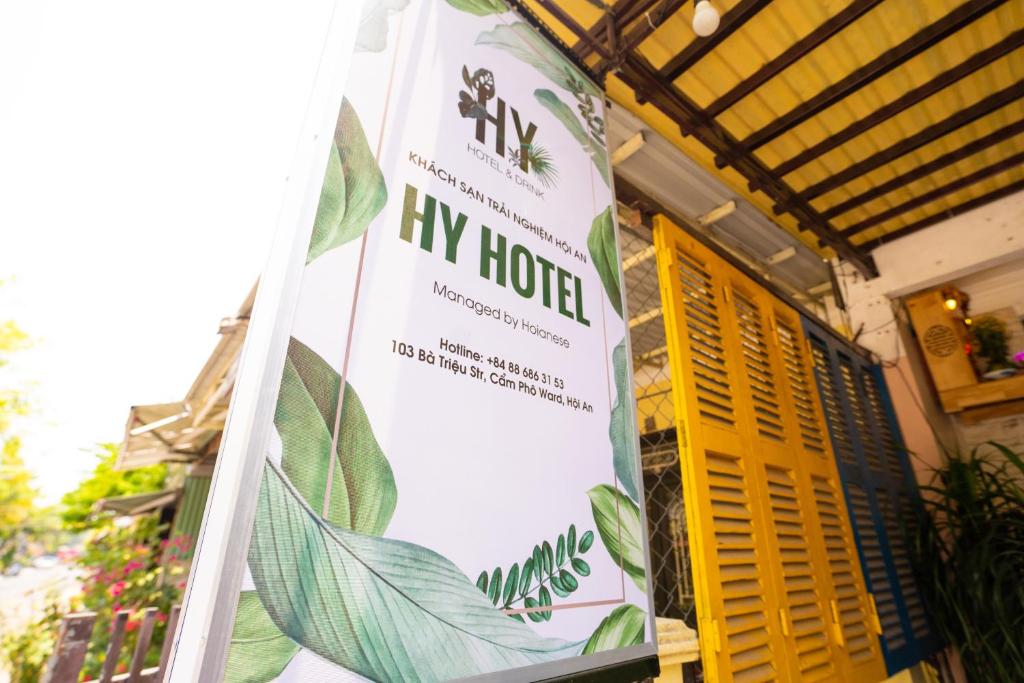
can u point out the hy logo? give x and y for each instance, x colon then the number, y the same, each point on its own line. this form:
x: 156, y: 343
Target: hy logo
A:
x: 526, y: 155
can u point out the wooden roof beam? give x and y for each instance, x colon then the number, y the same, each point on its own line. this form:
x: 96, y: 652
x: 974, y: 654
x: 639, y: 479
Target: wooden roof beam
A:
x: 798, y: 50
x: 1006, y: 164
x: 937, y: 164
x: 625, y: 10
x: 638, y: 73
x: 561, y: 15
x: 945, y: 215
x: 699, y: 47
x: 957, y: 19
x: 653, y: 19
x: 907, y: 100
x: 979, y: 109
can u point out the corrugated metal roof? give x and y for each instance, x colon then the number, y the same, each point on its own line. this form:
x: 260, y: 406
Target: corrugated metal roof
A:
x: 916, y: 51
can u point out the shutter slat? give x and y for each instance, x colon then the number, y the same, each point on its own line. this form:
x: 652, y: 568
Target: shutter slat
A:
x: 875, y: 475
x: 773, y: 562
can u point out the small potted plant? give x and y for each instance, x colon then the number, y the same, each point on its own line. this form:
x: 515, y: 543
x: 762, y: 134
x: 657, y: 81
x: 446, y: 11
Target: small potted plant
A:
x: 990, y: 348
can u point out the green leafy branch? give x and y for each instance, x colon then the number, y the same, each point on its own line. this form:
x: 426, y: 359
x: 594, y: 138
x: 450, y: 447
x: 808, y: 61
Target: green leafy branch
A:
x: 555, y: 569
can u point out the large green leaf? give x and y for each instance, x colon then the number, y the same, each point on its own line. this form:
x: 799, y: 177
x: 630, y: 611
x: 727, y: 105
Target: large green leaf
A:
x: 619, y: 525
x: 480, y: 8
x: 621, y: 430
x: 353, y: 192
x: 604, y: 252
x: 386, y: 609
x: 373, y: 24
x: 362, y: 493
x: 526, y: 44
x: 563, y: 113
x: 622, y: 628
x: 258, y: 652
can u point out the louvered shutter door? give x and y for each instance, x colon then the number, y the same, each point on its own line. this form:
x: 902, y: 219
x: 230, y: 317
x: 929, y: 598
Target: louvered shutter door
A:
x: 740, y: 638
x: 880, y: 492
x: 849, y: 606
x: 764, y: 570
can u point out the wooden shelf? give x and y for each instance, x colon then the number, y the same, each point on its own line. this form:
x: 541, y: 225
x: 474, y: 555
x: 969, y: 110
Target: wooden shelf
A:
x: 983, y: 393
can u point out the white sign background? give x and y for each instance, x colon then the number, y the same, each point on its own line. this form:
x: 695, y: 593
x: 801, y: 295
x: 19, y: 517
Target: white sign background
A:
x: 483, y: 474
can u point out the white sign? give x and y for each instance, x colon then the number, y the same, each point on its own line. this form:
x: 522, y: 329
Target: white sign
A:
x: 448, y: 486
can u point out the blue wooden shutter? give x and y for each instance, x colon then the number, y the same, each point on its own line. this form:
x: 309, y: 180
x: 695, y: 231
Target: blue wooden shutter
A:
x: 881, y: 492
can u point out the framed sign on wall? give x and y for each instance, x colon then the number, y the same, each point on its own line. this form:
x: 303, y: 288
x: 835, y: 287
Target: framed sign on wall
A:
x: 430, y: 469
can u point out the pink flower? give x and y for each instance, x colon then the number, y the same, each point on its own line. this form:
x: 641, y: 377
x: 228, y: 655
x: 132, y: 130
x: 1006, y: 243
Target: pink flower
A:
x: 117, y: 589
x: 1019, y: 357
x: 132, y: 566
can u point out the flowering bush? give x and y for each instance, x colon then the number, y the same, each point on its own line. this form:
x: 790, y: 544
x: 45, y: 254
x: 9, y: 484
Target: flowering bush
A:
x: 123, y: 568
x: 130, y: 569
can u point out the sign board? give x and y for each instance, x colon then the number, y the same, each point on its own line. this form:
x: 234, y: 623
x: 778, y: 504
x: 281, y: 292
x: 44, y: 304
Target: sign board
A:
x: 442, y: 481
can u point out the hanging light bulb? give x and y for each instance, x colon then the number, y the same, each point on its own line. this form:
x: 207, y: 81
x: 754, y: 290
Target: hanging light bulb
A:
x: 705, y: 18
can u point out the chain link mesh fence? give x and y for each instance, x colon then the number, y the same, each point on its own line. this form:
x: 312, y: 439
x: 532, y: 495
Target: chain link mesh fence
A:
x: 666, y: 514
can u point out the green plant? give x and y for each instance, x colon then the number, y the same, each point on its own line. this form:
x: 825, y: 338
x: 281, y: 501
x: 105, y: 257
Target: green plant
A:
x: 79, y: 506
x: 989, y: 342
x: 130, y: 568
x: 969, y: 557
x: 25, y: 652
x: 557, y: 568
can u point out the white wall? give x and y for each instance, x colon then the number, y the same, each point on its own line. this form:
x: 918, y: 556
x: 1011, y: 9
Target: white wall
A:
x: 962, y: 247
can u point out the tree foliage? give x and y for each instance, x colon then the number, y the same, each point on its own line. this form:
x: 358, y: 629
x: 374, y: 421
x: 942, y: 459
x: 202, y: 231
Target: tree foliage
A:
x: 106, y: 482
x: 17, y: 496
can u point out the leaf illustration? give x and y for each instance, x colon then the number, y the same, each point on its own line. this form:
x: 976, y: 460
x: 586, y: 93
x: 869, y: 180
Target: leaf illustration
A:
x: 524, y: 580
x: 544, y: 598
x: 363, y: 493
x: 604, y: 253
x: 618, y: 523
x: 511, y: 585
x: 571, y: 540
x: 373, y: 24
x: 620, y: 429
x: 494, y: 591
x: 586, y: 541
x: 386, y: 609
x: 524, y: 43
x: 580, y: 566
x: 560, y: 549
x: 625, y: 626
x: 480, y: 8
x: 353, y: 192
x: 258, y: 652
x: 562, y: 112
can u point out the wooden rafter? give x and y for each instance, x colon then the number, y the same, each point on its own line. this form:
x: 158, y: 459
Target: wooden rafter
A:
x: 960, y: 119
x: 971, y: 148
x: 938, y: 31
x: 904, y: 102
x: 798, y: 50
x: 626, y: 12
x: 638, y: 73
x: 1011, y: 162
x: 699, y: 47
x: 650, y: 23
x: 612, y: 44
x: 561, y: 15
x: 945, y: 215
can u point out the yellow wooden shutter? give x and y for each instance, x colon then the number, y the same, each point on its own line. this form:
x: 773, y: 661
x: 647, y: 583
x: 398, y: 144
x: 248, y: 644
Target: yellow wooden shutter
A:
x: 778, y: 589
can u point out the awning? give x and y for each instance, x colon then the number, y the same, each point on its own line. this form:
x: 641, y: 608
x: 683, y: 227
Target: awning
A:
x: 190, y: 429
x: 139, y: 503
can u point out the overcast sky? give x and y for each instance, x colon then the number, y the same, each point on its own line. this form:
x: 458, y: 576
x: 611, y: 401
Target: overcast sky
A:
x: 143, y: 149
